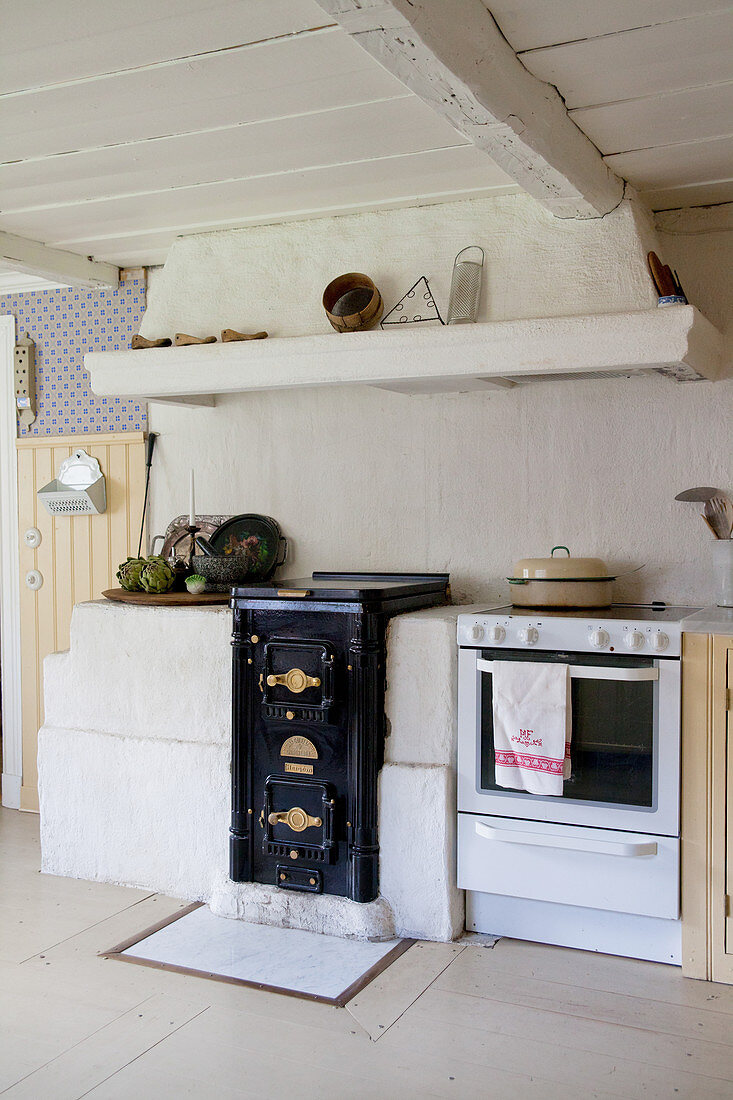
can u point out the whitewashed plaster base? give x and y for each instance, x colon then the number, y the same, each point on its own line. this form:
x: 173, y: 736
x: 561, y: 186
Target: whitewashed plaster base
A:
x: 326, y: 913
x: 136, y: 812
x: 134, y: 771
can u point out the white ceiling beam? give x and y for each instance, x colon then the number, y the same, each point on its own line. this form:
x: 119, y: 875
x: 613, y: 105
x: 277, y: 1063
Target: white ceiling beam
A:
x: 454, y: 57
x: 695, y: 220
x: 64, y: 268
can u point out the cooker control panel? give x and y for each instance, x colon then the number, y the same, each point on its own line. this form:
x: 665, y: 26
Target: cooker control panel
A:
x: 553, y: 633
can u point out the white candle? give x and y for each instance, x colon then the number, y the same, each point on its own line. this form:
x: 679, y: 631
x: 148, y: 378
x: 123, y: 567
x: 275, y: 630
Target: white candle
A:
x: 191, y: 506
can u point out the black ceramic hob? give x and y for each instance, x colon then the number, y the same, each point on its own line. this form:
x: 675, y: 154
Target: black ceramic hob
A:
x: 308, y: 726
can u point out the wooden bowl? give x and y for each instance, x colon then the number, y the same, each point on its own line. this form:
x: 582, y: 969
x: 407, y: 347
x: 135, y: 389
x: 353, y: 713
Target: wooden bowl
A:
x: 352, y: 302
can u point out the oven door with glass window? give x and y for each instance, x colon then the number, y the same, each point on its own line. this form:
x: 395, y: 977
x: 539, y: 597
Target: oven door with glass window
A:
x: 625, y: 743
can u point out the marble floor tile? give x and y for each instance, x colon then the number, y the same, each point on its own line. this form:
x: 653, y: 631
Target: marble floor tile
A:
x: 284, y: 958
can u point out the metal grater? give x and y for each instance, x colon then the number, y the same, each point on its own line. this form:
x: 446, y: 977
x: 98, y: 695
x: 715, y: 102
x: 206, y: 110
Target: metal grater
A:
x: 465, y: 288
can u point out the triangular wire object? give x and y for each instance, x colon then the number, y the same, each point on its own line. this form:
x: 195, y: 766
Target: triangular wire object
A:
x: 415, y: 307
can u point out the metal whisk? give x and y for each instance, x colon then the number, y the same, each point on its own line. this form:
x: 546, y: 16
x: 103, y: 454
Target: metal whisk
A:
x: 465, y: 287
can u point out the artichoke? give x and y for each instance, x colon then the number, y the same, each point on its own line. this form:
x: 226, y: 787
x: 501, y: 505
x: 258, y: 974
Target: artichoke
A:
x: 196, y: 584
x: 156, y: 576
x: 128, y: 574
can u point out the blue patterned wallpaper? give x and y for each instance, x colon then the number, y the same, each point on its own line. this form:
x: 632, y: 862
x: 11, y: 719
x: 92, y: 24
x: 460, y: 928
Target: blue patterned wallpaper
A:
x: 65, y: 324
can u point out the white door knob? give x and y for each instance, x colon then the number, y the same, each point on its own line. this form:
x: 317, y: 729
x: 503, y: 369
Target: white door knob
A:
x: 497, y: 634
x: 32, y: 538
x: 529, y: 636
x: 34, y: 579
x: 598, y: 638
x: 633, y: 639
x: 477, y: 632
x: 659, y: 641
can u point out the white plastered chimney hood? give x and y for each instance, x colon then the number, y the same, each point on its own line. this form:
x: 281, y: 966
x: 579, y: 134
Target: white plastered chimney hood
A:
x: 677, y: 341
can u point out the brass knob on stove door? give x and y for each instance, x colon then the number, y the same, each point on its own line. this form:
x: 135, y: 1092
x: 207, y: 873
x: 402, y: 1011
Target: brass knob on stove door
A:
x: 295, y: 818
x: 294, y: 680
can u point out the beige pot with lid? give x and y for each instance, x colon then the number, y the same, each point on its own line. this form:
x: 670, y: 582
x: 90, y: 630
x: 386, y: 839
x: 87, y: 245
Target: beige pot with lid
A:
x: 562, y: 582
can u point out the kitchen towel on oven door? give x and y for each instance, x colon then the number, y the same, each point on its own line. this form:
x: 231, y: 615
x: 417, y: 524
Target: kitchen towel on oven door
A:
x: 532, y: 726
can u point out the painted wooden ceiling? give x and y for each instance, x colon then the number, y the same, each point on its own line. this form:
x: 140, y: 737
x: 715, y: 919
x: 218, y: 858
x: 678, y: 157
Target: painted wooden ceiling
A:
x: 125, y: 125
x: 649, y: 81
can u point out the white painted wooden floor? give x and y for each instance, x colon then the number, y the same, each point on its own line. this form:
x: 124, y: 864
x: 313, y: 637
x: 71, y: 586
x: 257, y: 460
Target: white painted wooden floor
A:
x: 446, y: 1020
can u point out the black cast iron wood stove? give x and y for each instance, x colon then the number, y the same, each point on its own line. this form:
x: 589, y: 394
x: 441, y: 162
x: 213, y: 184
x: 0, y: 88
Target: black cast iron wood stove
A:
x: 308, y: 726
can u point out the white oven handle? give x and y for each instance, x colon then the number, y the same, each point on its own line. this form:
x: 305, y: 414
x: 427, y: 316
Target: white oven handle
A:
x: 540, y: 840
x: 589, y: 672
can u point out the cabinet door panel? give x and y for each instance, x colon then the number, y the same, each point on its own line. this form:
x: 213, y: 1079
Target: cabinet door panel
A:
x: 696, y: 808
x: 729, y: 807
x: 721, y: 879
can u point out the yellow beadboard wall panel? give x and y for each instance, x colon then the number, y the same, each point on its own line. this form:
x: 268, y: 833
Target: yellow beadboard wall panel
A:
x: 78, y: 558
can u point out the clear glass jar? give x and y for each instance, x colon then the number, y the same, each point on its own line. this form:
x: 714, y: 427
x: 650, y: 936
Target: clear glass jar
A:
x: 723, y: 572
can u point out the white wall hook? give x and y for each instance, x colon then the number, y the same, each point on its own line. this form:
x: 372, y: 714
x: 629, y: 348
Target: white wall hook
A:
x: 34, y: 579
x: 32, y: 538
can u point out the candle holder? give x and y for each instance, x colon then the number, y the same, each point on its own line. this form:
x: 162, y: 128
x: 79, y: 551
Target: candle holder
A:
x: 193, y: 530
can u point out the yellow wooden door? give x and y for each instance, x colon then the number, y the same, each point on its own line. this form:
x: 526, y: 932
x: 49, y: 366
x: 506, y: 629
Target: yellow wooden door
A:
x: 722, y: 806
x: 77, y: 558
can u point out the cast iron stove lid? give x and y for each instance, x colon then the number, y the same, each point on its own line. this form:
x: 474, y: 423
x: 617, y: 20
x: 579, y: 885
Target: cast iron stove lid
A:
x: 351, y: 587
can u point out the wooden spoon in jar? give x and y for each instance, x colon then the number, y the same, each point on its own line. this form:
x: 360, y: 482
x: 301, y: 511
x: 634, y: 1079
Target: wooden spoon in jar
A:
x: 718, y: 513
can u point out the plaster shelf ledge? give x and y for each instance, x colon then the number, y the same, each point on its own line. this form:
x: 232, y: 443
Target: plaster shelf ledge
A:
x: 677, y: 341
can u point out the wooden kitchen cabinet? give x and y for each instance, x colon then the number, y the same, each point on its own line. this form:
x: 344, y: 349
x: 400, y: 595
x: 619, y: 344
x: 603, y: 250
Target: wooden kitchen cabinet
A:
x: 707, y: 807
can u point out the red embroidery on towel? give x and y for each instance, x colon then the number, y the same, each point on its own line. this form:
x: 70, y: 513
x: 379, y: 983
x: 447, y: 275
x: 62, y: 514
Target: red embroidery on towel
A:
x: 526, y: 739
x: 531, y: 763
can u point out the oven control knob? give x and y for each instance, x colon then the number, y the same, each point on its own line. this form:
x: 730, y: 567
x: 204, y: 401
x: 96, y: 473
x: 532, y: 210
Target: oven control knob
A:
x: 529, y: 636
x: 477, y: 632
x: 633, y: 639
x: 659, y: 641
x: 497, y: 633
x: 599, y: 638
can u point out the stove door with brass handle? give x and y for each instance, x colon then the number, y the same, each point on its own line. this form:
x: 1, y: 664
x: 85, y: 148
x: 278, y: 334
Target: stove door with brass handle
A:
x: 295, y: 818
x: 297, y: 680
x: 294, y: 680
x: 312, y: 807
